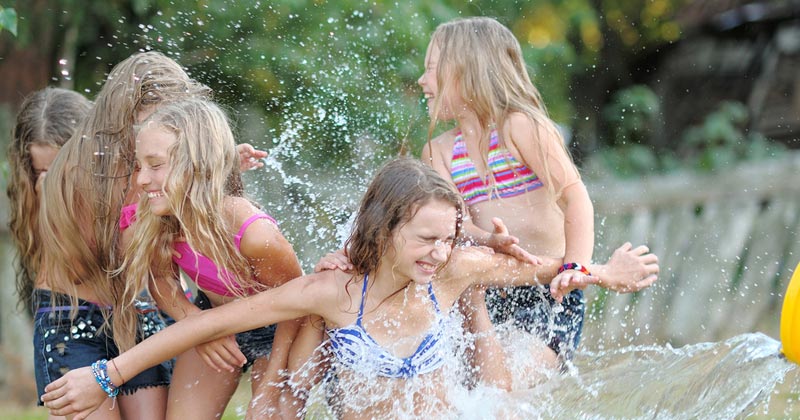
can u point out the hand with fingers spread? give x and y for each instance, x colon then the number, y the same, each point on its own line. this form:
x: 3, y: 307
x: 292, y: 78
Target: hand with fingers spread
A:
x: 629, y: 269
x: 501, y: 241
x: 76, y: 393
x: 336, y: 260
x: 250, y: 157
x: 222, y: 354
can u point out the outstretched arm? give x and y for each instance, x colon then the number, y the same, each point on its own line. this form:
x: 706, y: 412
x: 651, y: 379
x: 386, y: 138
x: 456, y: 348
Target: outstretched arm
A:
x: 628, y: 270
x: 77, y: 392
x: 471, y: 266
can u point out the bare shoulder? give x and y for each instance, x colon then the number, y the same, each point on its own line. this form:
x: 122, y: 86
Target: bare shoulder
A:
x: 239, y: 209
x: 322, y: 285
x: 520, y: 128
x: 440, y: 145
x: 325, y: 291
x: 518, y: 119
x: 261, y: 233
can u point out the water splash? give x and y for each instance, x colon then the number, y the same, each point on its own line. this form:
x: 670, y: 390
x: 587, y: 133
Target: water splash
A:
x: 724, y: 380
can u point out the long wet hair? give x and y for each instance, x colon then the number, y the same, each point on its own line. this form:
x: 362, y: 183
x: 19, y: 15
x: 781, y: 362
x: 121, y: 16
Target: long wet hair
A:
x: 201, y: 162
x: 47, y: 117
x: 481, y: 61
x: 88, y: 183
x: 398, y: 190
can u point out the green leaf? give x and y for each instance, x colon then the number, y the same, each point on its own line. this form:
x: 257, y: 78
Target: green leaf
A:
x: 8, y: 20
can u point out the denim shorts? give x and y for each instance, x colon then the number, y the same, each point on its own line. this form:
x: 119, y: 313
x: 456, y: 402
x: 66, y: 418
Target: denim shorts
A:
x: 254, y: 344
x: 61, y: 343
x: 534, y: 310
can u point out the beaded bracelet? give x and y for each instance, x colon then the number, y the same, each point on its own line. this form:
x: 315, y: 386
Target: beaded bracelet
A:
x: 574, y: 266
x: 100, y: 371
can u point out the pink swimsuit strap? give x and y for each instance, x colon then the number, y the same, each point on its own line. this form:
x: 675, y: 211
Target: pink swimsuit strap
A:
x: 127, y: 215
x: 238, y: 238
x: 204, y: 272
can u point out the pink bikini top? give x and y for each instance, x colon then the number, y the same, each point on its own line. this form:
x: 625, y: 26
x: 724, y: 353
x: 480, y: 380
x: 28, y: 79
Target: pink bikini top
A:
x: 198, y: 267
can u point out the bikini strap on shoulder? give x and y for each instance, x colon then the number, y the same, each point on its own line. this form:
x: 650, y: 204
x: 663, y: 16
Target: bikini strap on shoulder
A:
x: 433, y: 297
x: 363, y: 296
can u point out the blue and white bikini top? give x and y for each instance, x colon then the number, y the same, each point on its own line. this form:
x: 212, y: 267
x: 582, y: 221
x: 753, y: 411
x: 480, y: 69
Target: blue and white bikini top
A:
x: 354, y: 348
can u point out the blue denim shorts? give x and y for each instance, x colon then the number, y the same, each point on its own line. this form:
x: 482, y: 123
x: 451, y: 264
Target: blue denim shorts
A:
x: 254, y: 344
x: 61, y: 343
x: 534, y: 310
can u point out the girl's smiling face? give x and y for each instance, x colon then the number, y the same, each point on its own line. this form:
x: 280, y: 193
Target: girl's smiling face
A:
x: 152, y: 157
x: 450, y: 102
x: 423, y: 244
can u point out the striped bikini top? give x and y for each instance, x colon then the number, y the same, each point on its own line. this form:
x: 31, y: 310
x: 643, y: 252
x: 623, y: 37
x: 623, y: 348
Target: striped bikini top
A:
x: 354, y: 348
x: 511, y: 178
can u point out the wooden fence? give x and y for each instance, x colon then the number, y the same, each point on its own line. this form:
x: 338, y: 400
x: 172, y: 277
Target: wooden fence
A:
x: 727, y: 244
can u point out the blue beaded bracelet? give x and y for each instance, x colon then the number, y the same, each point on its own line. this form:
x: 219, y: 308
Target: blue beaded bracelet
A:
x: 100, y: 371
x: 574, y: 266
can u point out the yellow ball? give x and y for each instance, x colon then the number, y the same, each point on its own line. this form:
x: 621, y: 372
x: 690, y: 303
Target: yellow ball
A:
x: 790, y: 319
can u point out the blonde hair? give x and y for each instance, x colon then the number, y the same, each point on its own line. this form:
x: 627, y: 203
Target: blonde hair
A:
x: 47, y: 117
x: 89, y: 180
x: 481, y: 61
x: 201, y: 161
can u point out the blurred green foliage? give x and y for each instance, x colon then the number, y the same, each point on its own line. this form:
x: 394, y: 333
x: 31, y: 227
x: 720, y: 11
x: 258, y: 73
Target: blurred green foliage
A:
x: 720, y: 140
x: 308, y: 64
x: 329, y: 87
x: 8, y: 20
x: 632, y: 115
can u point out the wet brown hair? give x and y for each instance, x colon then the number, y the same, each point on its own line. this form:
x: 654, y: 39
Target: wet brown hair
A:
x: 47, y: 117
x: 398, y: 190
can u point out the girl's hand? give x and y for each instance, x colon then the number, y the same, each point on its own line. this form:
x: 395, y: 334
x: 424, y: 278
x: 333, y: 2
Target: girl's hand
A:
x: 335, y: 260
x: 222, y: 354
x: 76, y: 393
x: 249, y: 157
x: 629, y: 269
x: 568, y: 281
x: 502, y: 242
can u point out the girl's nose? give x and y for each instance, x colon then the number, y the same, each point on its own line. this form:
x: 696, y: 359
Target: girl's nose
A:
x: 142, y: 179
x: 440, y: 251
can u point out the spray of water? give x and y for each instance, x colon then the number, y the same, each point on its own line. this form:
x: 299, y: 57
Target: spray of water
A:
x: 329, y: 109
